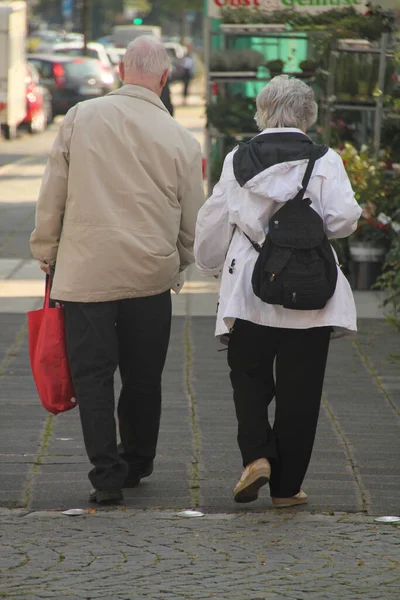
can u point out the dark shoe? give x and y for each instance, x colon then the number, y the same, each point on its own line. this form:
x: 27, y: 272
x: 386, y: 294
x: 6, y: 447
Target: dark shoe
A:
x: 109, y: 497
x: 135, y: 475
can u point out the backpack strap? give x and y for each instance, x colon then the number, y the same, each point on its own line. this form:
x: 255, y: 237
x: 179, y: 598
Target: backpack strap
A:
x: 254, y: 244
x: 308, y: 171
x: 300, y: 194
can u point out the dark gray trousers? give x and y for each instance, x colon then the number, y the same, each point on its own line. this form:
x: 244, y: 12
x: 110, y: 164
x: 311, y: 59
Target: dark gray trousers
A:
x: 133, y: 335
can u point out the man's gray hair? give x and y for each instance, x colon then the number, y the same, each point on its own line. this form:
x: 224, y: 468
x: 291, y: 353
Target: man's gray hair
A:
x: 286, y: 102
x: 147, y: 55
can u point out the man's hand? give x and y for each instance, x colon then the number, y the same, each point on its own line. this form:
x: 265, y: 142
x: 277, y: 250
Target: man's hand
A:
x: 45, y: 267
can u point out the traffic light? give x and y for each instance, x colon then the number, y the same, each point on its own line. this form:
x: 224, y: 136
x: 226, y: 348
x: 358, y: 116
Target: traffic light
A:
x: 137, y: 21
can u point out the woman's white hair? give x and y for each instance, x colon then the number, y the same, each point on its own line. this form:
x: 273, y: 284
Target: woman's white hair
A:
x: 147, y: 55
x: 286, y: 102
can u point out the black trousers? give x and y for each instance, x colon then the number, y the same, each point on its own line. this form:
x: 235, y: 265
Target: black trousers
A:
x: 300, y: 359
x: 133, y: 335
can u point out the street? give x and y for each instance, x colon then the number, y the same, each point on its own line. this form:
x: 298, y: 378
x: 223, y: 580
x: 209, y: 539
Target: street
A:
x: 331, y: 549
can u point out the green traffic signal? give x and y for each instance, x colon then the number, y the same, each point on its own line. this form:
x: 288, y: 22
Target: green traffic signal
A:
x: 137, y: 21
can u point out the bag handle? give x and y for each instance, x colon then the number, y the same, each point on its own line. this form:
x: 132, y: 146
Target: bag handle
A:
x: 48, y: 303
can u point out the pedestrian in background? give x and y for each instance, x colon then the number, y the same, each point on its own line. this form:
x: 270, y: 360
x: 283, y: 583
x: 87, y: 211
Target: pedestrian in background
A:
x: 116, y: 214
x: 187, y: 75
x: 257, y: 179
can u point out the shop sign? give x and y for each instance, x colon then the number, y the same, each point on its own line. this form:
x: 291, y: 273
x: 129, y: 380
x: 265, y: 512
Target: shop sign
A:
x: 309, y: 6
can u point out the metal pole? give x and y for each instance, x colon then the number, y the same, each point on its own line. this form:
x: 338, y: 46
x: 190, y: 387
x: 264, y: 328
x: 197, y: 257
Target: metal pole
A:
x: 379, y: 93
x: 86, y: 23
x: 330, y: 95
x: 207, y: 50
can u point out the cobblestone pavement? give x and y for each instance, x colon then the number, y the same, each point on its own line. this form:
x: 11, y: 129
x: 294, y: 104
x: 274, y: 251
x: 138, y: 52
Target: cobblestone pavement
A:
x: 135, y: 555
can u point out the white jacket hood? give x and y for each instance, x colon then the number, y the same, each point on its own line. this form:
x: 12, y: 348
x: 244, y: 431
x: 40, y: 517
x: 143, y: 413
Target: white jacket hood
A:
x: 272, y: 158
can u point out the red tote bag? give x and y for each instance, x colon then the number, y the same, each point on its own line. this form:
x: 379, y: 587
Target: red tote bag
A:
x: 48, y: 356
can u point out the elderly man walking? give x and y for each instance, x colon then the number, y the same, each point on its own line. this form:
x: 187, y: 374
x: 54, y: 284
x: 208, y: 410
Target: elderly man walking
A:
x: 116, y: 216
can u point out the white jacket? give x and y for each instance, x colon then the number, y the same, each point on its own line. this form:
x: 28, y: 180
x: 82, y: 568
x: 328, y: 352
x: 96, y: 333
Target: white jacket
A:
x: 233, y: 209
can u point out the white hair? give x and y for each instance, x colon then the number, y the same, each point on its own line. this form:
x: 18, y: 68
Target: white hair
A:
x: 286, y: 102
x: 147, y: 55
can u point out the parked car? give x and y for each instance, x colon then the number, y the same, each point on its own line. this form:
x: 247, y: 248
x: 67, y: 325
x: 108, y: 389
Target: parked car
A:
x: 115, y: 55
x: 94, y: 50
x: 176, y: 53
x: 39, y: 112
x: 71, y: 79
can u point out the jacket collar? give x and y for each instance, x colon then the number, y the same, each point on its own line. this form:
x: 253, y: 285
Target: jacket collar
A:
x: 272, y: 147
x: 282, y: 130
x: 138, y: 91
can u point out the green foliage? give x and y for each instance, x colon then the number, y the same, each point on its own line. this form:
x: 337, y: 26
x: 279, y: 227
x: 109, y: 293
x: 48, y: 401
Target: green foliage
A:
x: 390, y: 139
x: 142, y: 6
x: 231, y: 115
x: 234, y: 114
x: 104, y: 14
x: 377, y: 196
x: 176, y: 6
x: 344, y: 22
x: 357, y: 77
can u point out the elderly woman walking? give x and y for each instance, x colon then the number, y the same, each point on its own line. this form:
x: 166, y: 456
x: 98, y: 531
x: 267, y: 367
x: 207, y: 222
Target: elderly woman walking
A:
x: 275, y: 352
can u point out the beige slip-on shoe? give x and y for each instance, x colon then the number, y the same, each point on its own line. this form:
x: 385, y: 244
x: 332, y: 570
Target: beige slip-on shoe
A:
x: 254, y: 476
x: 300, y: 498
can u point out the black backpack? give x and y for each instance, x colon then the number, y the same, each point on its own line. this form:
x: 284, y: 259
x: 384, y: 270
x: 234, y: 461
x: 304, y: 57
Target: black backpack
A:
x: 296, y: 267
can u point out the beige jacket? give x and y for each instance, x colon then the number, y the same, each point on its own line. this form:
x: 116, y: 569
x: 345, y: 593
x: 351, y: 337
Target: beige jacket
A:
x: 119, y: 199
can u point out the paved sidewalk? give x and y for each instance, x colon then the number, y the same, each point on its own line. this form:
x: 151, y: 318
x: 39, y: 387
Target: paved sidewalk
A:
x: 332, y: 549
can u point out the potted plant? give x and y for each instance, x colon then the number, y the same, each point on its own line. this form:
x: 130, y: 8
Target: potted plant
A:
x: 275, y: 66
x: 308, y: 67
x: 219, y: 62
x: 246, y: 60
x: 241, y: 62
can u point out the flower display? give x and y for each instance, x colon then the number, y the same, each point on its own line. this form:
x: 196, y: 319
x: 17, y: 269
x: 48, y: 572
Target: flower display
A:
x: 378, y: 197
